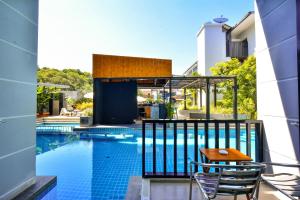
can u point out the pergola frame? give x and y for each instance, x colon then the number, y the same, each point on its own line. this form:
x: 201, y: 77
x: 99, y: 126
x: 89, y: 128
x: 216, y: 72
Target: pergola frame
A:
x: 185, y: 82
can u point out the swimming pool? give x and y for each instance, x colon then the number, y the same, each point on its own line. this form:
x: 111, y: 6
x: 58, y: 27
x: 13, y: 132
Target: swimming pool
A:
x: 100, y: 167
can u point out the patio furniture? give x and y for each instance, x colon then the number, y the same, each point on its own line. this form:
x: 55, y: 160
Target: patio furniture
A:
x: 227, y: 180
x: 287, y: 183
x: 65, y: 112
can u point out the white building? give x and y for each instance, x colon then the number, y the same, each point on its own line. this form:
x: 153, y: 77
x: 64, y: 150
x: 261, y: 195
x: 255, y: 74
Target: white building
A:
x: 211, y: 46
x: 219, y: 42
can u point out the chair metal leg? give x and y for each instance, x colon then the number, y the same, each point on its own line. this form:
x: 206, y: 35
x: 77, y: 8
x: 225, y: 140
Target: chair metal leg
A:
x: 256, y: 195
x: 191, y: 189
x: 248, y: 197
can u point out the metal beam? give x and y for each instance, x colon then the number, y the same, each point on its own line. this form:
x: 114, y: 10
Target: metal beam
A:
x: 201, y: 104
x: 194, y: 82
x: 184, y: 91
x: 215, y: 95
x: 207, y: 99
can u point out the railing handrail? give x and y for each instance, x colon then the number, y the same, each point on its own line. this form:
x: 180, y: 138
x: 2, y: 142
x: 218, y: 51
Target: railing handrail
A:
x: 200, y: 121
x: 196, y: 123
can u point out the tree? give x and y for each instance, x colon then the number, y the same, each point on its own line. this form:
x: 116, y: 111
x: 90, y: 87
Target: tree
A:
x: 246, y: 80
x: 76, y: 79
x: 43, y: 96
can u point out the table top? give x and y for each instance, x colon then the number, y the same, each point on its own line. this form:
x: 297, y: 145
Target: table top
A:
x: 233, y: 155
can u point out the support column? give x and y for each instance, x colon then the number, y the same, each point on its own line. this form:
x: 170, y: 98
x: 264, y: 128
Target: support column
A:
x: 184, y: 91
x: 215, y: 95
x: 170, y: 90
x: 201, y: 103
x: 235, y: 104
x: 207, y: 99
x: 164, y: 95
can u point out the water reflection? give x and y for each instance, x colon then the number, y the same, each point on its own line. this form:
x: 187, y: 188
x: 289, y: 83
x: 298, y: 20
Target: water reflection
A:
x: 48, y: 142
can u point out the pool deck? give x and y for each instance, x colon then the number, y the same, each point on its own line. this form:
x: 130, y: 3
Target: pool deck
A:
x: 42, y: 185
x: 57, y: 119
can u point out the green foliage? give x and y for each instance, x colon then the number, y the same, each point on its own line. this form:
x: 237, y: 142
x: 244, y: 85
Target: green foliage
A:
x: 170, y: 109
x: 149, y: 100
x: 44, y: 95
x: 246, y: 80
x: 84, y: 105
x: 88, y: 112
x: 76, y: 79
x: 189, y: 105
x: 219, y: 110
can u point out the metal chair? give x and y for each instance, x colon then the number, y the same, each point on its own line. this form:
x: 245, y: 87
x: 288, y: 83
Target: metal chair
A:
x: 287, y: 183
x: 227, y: 180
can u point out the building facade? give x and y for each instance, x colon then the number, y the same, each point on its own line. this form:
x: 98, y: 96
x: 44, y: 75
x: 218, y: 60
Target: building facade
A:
x: 218, y: 42
x: 277, y: 54
x: 18, y: 65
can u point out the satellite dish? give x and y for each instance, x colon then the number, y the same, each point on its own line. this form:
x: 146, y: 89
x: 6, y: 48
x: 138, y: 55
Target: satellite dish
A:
x: 220, y: 20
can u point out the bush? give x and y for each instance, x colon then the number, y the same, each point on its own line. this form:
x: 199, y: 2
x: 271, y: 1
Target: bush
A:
x: 246, y: 80
x: 84, y: 105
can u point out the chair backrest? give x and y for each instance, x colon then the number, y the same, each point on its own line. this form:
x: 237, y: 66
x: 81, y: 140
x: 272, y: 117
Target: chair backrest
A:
x: 239, y: 179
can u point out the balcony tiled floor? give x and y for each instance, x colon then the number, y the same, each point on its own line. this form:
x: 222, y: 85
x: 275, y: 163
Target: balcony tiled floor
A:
x: 180, y: 191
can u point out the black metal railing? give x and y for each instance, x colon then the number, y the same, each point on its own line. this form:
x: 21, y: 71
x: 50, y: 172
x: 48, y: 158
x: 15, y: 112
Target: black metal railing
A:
x: 195, y: 134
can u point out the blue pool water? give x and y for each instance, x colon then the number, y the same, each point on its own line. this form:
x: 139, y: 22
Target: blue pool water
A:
x: 100, y: 168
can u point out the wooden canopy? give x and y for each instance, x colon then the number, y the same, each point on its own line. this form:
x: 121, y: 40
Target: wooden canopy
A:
x: 110, y: 66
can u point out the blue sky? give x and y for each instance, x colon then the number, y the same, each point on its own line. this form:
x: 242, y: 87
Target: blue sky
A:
x: 70, y: 31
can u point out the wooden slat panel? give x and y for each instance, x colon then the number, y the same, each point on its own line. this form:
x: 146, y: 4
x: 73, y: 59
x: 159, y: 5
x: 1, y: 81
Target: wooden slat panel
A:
x: 109, y: 66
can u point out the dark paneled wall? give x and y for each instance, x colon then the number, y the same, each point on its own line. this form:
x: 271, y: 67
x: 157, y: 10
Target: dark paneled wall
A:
x: 98, y: 101
x: 115, y: 103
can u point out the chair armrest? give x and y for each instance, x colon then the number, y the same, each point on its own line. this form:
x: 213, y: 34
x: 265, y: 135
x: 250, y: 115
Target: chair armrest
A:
x: 243, y: 166
x: 281, y: 164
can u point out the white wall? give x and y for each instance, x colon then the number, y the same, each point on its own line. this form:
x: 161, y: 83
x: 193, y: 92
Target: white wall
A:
x: 277, y: 80
x: 18, y: 63
x: 211, y: 45
x: 201, y: 51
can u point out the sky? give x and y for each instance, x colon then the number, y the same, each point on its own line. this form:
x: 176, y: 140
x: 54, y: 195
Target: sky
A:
x: 70, y: 31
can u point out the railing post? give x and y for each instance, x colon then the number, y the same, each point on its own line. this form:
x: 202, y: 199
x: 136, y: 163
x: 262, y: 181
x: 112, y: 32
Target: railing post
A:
x: 217, y: 135
x: 185, y: 149
x: 143, y: 149
x: 248, y: 139
x: 175, y: 148
x: 227, y: 135
x: 154, y: 149
x: 238, y: 135
x: 165, y: 147
x: 196, y: 145
x: 206, y: 137
x: 259, y: 142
